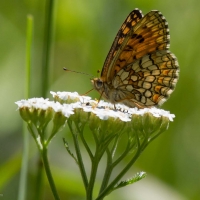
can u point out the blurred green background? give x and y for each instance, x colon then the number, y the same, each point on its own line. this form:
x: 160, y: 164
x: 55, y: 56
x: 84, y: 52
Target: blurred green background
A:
x: 83, y: 34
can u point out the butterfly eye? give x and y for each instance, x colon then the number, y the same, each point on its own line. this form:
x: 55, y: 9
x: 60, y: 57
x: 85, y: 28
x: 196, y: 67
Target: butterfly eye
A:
x: 99, y: 83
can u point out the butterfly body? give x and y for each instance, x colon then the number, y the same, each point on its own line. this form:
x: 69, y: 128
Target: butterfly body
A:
x: 139, y: 70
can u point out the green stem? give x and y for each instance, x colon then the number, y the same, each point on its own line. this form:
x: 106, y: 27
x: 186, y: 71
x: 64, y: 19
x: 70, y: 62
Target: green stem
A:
x: 24, y: 168
x: 101, y: 147
x: 110, y: 165
x: 79, y: 156
x: 117, y: 179
x: 50, y: 137
x: 121, y: 174
x: 94, y: 133
x: 108, y: 171
x: 45, y: 79
x: 48, y: 172
x: 109, y: 168
x: 95, y: 163
x: 47, y: 45
x: 84, y: 142
x: 31, y: 131
x: 45, y: 73
x: 114, y: 146
x: 39, y: 179
x: 40, y: 170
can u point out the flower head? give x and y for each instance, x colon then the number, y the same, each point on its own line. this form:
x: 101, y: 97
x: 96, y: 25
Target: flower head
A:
x: 104, y: 110
x: 40, y: 112
x: 101, y: 117
x: 35, y: 110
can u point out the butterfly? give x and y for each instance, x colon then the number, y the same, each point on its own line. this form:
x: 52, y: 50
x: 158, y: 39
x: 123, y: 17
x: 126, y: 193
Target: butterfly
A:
x: 139, y: 70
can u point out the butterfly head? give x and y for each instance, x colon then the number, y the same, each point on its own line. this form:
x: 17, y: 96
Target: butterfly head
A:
x: 98, y: 84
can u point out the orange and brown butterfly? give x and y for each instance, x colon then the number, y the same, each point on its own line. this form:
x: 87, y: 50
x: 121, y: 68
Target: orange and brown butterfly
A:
x: 139, y: 70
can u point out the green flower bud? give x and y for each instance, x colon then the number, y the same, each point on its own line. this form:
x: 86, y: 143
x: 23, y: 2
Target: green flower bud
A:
x: 25, y: 114
x: 58, y: 121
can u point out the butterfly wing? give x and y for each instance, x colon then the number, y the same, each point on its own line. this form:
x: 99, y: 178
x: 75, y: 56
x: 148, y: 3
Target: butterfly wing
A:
x: 139, y: 71
x: 148, y: 81
x: 149, y: 34
x: 132, y: 19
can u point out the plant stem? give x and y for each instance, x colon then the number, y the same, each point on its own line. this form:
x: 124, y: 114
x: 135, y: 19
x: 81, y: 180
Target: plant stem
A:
x: 121, y: 174
x: 39, y: 179
x: 45, y: 70
x: 48, y: 172
x: 109, y: 167
x: 95, y: 162
x: 79, y: 156
x: 85, y: 143
x: 108, y: 172
x: 110, y: 164
x: 117, y: 179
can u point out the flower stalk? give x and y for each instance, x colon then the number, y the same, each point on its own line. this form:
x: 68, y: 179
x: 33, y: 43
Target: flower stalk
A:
x: 78, y: 154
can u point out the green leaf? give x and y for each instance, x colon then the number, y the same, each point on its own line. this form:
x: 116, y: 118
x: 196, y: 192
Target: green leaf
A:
x: 69, y: 151
x: 137, y: 177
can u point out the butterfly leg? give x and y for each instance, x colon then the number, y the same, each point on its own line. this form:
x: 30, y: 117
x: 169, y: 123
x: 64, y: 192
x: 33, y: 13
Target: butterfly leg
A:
x: 100, y: 97
x: 139, y: 106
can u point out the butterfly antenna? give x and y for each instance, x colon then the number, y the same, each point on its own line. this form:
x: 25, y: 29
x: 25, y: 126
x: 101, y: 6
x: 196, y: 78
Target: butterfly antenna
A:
x: 68, y: 70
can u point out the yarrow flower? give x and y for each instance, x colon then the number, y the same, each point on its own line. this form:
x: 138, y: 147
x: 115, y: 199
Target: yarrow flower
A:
x: 84, y: 110
x: 38, y: 109
x: 111, y: 127
x: 69, y: 97
x: 105, y: 110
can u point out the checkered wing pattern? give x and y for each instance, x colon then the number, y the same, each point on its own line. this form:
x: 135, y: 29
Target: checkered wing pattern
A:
x: 139, y: 70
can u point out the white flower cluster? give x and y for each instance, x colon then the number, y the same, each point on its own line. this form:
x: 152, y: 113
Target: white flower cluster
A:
x: 105, y: 110
x: 70, y: 95
x: 101, y: 109
x: 44, y: 104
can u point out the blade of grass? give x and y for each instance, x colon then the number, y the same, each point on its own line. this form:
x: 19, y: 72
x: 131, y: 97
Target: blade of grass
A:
x: 24, y: 168
x: 48, y: 32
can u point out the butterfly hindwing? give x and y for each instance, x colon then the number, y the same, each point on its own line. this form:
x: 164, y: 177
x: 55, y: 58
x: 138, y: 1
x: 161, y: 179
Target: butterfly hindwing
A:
x: 148, y: 81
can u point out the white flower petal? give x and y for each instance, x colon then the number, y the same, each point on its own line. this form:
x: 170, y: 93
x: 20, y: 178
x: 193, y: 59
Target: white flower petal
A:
x: 102, y: 109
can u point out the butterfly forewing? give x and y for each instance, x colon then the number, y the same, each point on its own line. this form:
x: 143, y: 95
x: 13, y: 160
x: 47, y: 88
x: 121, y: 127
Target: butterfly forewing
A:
x: 132, y: 19
x: 151, y: 33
